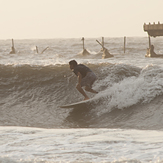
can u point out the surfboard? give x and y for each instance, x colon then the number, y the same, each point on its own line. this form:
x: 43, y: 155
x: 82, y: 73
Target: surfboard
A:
x: 76, y: 104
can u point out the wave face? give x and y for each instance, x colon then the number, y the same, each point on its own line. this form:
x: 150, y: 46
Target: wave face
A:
x: 129, y: 97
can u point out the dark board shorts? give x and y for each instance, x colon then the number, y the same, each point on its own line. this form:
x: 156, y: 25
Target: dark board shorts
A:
x: 88, y: 80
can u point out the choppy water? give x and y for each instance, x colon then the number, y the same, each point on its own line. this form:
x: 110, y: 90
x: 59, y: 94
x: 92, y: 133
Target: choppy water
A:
x: 122, y: 124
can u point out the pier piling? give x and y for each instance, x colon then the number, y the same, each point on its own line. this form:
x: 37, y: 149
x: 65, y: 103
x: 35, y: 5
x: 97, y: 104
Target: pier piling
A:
x: 124, y: 47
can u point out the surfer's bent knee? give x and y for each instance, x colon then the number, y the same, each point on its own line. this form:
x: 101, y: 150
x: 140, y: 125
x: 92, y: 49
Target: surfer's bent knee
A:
x: 87, y: 88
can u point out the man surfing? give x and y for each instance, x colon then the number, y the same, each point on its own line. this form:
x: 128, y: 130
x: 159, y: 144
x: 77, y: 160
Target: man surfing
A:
x: 86, y: 77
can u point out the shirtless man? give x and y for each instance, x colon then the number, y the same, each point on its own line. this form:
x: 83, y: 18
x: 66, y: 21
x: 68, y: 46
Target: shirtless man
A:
x: 85, y: 78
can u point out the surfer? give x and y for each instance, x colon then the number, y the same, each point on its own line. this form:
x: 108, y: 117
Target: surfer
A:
x: 86, y: 77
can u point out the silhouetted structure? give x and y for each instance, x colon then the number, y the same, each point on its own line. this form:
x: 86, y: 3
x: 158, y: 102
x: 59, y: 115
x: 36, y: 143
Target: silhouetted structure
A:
x: 105, y: 52
x: 45, y: 49
x: 124, y: 47
x: 84, y: 52
x: 37, y: 51
x: 153, y: 30
x: 12, y: 48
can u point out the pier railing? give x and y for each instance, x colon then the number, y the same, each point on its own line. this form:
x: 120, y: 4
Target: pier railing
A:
x: 154, y: 29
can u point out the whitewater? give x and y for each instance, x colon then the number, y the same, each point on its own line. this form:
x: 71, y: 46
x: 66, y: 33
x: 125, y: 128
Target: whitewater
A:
x: 122, y: 124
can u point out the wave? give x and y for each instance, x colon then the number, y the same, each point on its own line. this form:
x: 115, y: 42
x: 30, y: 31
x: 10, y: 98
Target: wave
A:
x: 31, y: 96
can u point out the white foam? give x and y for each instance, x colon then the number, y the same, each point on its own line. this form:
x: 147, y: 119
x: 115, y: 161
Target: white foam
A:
x: 132, y: 90
x: 19, y: 144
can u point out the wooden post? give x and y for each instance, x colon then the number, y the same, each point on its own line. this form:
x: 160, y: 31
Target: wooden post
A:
x: 103, y: 41
x: 149, y: 41
x: 13, y: 43
x: 12, y: 48
x: 100, y: 44
x: 124, y: 48
x: 37, y: 49
x: 83, y: 42
x: 44, y: 49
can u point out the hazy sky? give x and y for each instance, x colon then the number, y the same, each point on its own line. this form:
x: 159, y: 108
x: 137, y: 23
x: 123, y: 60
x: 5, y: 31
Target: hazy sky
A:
x: 24, y: 19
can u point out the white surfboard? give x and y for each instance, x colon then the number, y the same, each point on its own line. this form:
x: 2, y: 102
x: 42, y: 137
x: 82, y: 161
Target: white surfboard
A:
x: 76, y: 104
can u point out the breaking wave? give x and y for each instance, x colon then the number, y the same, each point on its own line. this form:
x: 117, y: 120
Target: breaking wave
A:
x: 128, y: 96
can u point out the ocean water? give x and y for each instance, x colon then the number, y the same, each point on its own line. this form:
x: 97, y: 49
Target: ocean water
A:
x: 123, y: 123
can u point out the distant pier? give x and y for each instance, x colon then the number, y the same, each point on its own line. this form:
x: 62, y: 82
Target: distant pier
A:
x: 153, y: 30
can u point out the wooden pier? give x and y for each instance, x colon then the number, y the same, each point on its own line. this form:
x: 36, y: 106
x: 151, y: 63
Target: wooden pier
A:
x: 153, y: 30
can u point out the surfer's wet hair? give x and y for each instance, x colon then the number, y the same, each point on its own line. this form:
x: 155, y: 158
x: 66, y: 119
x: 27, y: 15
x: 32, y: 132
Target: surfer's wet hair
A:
x: 73, y: 62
